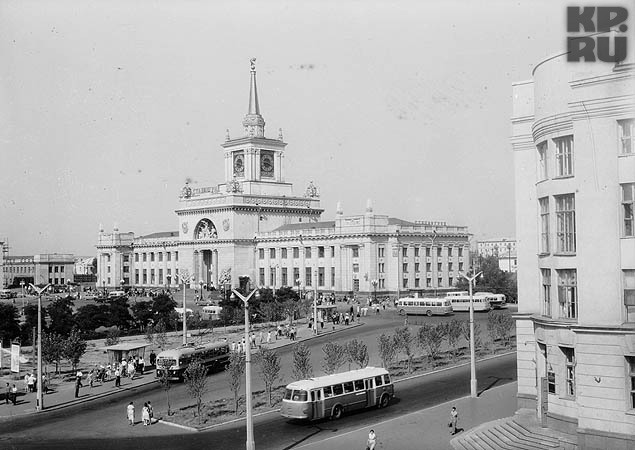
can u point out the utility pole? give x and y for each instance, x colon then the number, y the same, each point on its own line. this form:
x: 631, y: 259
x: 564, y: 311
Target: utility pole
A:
x: 185, y: 279
x: 39, y: 405
x: 471, y: 281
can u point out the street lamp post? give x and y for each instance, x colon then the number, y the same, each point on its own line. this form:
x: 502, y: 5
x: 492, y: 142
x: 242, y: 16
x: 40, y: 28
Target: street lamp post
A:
x: 471, y: 281
x: 250, y: 444
x: 315, y: 315
x: 39, y: 405
x: 374, y: 283
x: 185, y: 278
x: 22, y: 287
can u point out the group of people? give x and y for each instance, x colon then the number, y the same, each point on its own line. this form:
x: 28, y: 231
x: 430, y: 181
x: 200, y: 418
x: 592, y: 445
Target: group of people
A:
x: 147, y: 414
x: 11, y: 394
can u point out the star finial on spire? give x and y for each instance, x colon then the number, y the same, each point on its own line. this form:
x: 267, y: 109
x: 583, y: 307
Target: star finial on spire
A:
x: 253, y: 64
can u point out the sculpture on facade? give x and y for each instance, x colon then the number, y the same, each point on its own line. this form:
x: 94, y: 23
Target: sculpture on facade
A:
x: 186, y: 192
x: 233, y: 186
x: 206, y: 230
x: 312, y: 191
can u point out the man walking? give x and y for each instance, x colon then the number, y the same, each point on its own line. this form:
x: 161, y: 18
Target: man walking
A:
x: 454, y: 418
x: 78, y: 384
x: 117, y: 377
x: 7, y: 394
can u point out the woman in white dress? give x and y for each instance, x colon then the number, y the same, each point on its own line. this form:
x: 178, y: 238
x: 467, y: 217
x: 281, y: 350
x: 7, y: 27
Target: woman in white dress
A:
x: 130, y: 412
x: 145, y: 415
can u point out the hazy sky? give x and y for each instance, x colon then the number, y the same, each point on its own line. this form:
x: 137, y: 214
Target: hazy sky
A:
x: 106, y: 107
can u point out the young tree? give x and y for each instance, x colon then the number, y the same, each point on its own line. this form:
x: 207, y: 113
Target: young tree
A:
x: 60, y: 312
x: 113, y: 337
x: 478, y: 342
x: 499, y: 326
x: 492, y: 326
x: 163, y: 309
x: 160, y: 336
x: 334, y: 357
x: 387, y: 349
x: 142, y: 314
x: 405, y: 342
x: 269, y: 366
x: 164, y: 365
x: 236, y: 370
x: 430, y: 337
x: 357, y: 352
x: 74, y: 348
x: 302, y: 367
x: 196, y: 383
x: 454, y: 332
x: 52, y: 346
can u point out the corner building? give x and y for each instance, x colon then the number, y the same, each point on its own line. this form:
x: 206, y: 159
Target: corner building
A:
x: 254, y: 225
x: 575, y: 187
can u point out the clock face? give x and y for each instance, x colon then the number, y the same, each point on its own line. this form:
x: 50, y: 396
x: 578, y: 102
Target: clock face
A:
x: 266, y: 165
x: 239, y: 165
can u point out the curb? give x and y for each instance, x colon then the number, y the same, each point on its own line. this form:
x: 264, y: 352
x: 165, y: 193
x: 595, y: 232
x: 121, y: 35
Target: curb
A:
x: 216, y: 425
x: 123, y: 389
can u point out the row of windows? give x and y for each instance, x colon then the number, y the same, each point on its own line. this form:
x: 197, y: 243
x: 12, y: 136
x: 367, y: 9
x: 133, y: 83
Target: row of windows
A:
x: 321, y: 251
x: 56, y: 269
x: 417, y: 267
x: 563, y: 151
x: 17, y: 269
x: 567, y: 293
x: 159, y: 255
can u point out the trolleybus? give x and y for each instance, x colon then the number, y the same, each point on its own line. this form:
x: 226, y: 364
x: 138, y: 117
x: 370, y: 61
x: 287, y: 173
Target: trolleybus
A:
x: 333, y: 395
x: 461, y: 302
x: 427, y: 306
x: 214, y: 356
x: 495, y: 300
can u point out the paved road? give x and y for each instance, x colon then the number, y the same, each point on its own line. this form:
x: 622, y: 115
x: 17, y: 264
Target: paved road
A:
x: 104, y: 420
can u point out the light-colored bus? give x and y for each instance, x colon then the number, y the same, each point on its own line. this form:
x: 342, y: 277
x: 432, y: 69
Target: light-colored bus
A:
x: 462, y: 302
x: 214, y: 356
x: 457, y: 293
x: 427, y: 306
x: 333, y: 395
x: 495, y: 300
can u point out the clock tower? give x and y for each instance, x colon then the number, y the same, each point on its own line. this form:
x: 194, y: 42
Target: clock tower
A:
x: 253, y: 160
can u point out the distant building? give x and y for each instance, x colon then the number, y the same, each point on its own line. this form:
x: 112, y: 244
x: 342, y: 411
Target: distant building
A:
x: 503, y: 248
x: 16, y: 269
x: 575, y: 189
x: 53, y: 268
x: 254, y: 225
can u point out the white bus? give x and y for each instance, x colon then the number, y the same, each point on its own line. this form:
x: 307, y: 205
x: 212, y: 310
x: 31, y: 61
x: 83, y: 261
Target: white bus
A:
x: 495, y: 300
x: 214, y: 356
x: 427, y: 306
x: 462, y: 302
x: 333, y: 395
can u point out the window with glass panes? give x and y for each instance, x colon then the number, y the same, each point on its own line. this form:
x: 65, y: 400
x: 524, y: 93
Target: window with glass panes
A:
x: 628, y: 276
x: 416, y: 267
x: 626, y: 136
x: 169, y: 256
x: 332, y: 276
x: 417, y: 281
x: 355, y: 252
x: 283, y: 253
x: 628, y: 203
x: 307, y: 276
x: 261, y: 276
x: 136, y: 257
x: 545, y: 275
x: 405, y: 267
x: 321, y: 276
x: 416, y: 252
x: 380, y: 267
x: 151, y: 256
x: 307, y: 252
x: 160, y: 256
x: 428, y: 251
x: 568, y: 293
x: 296, y: 252
x: 272, y: 276
x: 460, y: 251
x: 630, y: 361
x: 405, y: 282
x: 296, y: 275
x: 355, y: 268
x: 272, y: 253
x: 542, y: 161
x: 332, y: 251
x: 261, y: 253
x: 544, y: 224
x: 320, y: 252
x: 176, y: 256
x: 285, y: 280
x: 564, y: 156
x: 404, y: 252
x: 565, y: 223
x: 569, y: 361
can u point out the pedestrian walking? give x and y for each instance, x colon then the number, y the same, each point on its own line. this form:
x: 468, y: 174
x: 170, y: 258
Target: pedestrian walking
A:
x: 269, y: 337
x: 7, y: 394
x: 78, y: 384
x: 14, y: 394
x: 372, y: 440
x: 90, y: 377
x: 150, y: 412
x: 117, y: 377
x: 145, y: 415
x: 130, y: 413
x: 454, y: 419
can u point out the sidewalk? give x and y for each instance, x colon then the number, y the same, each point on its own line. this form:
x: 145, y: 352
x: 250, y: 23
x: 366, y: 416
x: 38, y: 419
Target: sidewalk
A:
x: 427, y: 429
x: 62, y: 394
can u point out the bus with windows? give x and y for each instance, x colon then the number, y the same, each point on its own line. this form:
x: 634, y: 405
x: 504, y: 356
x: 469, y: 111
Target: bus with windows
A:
x: 330, y: 396
x: 427, y: 306
x: 461, y: 302
x: 214, y: 356
x: 496, y: 301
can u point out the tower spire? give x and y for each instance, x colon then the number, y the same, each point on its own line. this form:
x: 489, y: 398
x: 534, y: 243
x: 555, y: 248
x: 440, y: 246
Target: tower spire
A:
x: 253, y: 123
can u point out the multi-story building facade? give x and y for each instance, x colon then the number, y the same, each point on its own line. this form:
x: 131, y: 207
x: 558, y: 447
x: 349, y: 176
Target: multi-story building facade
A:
x: 502, y: 248
x: 53, y: 268
x: 254, y: 225
x: 575, y: 188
